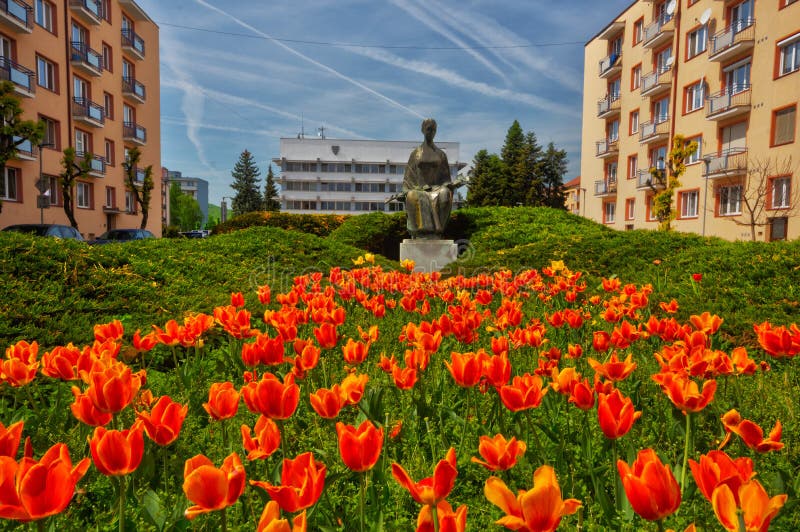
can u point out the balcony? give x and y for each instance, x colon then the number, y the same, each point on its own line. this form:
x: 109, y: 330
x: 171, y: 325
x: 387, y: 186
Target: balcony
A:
x: 16, y: 16
x: 22, y: 78
x: 658, y: 32
x: 654, y: 131
x: 727, y: 163
x: 612, y: 30
x: 97, y: 165
x: 607, y: 187
x: 133, y: 132
x: 133, y: 90
x: 657, y: 82
x: 646, y: 181
x: 133, y: 10
x: 132, y: 43
x: 85, y: 59
x: 608, y: 106
x: 90, y: 11
x: 737, y: 38
x: 24, y: 150
x: 607, y: 148
x: 88, y: 112
x: 728, y: 103
x: 611, y: 65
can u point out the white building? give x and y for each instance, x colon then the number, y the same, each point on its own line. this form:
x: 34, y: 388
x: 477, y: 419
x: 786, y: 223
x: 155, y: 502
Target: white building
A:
x: 341, y: 176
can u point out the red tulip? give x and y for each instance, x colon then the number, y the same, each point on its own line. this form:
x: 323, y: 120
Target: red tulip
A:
x: 271, y: 397
x: 752, y: 435
x: 355, y: 352
x: 84, y: 410
x: 524, y: 392
x: 650, y: 486
x: 359, y: 447
x: 466, y: 368
x: 433, y: 489
x: 684, y: 392
x: 115, y: 452
x: 211, y: 488
x: 270, y: 520
x: 9, y: 438
x: 163, y: 424
x: 223, y: 401
x: 302, y: 481
x: 615, y: 369
x: 327, y: 403
x: 113, y: 388
x: 498, y: 453
x: 615, y: 414
x: 448, y: 520
x: 108, y: 331
x: 717, y: 468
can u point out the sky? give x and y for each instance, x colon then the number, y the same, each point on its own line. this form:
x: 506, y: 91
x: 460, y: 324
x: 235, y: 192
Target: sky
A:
x: 241, y: 74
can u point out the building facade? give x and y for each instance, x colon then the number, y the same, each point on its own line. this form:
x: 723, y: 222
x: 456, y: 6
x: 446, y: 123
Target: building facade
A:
x: 723, y: 73
x: 341, y: 176
x: 88, y: 69
x: 192, y: 186
x: 572, y: 195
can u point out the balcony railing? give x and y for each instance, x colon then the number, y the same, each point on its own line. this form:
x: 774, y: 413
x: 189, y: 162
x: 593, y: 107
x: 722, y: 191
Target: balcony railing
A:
x: 17, y: 15
x: 608, y: 105
x: 658, y: 31
x: 728, y: 103
x: 645, y: 180
x: 97, y: 165
x: 605, y: 187
x: 134, y: 132
x: 657, y: 81
x: 727, y: 163
x: 87, y: 111
x: 734, y: 39
x: 90, y: 10
x: 133, y: 43
x: 84, y: 57
x: 134, y: 89
x: 21, y: 77
x: 654, y: 130
x: 610, y: 65
x: 607, y: 148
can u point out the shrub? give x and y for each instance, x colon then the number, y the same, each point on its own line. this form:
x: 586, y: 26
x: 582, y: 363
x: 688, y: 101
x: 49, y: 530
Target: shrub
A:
x: 315, y: 224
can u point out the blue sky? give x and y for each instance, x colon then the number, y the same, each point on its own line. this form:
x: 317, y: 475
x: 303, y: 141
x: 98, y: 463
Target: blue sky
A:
x: 262, y: 67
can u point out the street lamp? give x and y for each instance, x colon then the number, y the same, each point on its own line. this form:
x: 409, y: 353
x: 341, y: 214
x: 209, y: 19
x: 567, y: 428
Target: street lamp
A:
x: 223, y: 210
x: 707, y: 161
x: 40, y: 199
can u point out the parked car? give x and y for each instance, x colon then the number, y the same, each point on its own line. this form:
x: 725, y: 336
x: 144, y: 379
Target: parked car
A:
x: 122, y: 235
x: 54, y: 230
x: 197, y: 233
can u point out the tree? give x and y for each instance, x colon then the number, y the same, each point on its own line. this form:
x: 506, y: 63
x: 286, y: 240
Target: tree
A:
x: 245, y: 182
x: 487, y: 170
x: 141, y: 189
x: 73, y: 169
x: 184, y: 211
x: 14, y: 131
x: 271, y: 202
x: 552, y: 169
x: 668, y: 177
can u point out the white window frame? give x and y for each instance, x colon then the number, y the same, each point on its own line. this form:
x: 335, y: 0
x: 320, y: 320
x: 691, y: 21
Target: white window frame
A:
x: 110, y: 197
x: 43, y: 14
x: 45, y: 73
x: 633, y: 166
x: 697, y: 41
x: 789, y: 55
x: 695, y: 96
x: 689, y: 204
x: 630, y: 208
x: 82, y: 142
x: 637, y: 77
x: 9, y: 182
x: 697, y: 155
x: 661, y: 110
x: 730, y: 200
x: 634, y: 122
x: 129, y: 202
x: 731, y: 85
x: 781, y: 201
x: 610, y: 212
x: 613, y: 131
x: 83, y: 195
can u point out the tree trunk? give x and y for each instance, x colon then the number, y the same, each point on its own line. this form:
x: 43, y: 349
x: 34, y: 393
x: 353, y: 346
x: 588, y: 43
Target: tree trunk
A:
x: 69, y: 209
x: 145, y: 215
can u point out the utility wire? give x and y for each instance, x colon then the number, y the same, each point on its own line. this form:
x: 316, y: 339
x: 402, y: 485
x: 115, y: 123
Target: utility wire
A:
x: 386, y: 46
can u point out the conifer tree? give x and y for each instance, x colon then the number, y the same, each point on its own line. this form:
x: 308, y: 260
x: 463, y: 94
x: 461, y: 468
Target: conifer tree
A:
x: 552, y: 169
x: 486, y: 171
x: 246, y: 184
x: 271, y: 202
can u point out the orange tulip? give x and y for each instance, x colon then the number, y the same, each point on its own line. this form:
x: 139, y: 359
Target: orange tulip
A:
x: 615, y: 369
x: 326, y: 335
x: 117, y: 453
x: 113, y: 388
x: 539, y: 509
x: 684, y: 392
x: 600, y: 341
x: 615, y: 413
x: 271, y: 397
x: 497, y: 369
x: 144, y: 343
x: 706, y: 322
x: 9, y: 438
x: 271, y: 521
x: 223, y: 401
x: 237, y: 299
x: 404, y: 378
x: 264, y: 350
x: 359, y: 447
x: 355, y: 352
x: 302, y: 481
x: 752, y: 435
x: 163, y: 423
x: 61, y: 363
x: 757, y: 507
x: 433, y: 489
x: 327, y: 403
x: 448, y: 520
x: 267, y: 439
x: 20, y: 365
x: 352, y: 388
x: 670, y: 308
x: 236, y: 322
x: 211, y: 488
x: 264, y: 294
x: 108, y: 331
x: 717, y: 468
x: 31, y: 489
x: 498, y: 453
x: 84, y: 410
x: 582, y: 395
x: 650, y: 486
x: 778, y: 341
x: 524, y: 392
x: 466, y: 368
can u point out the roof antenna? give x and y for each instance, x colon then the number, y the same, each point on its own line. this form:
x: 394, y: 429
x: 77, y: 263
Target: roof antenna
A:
x: 302, y: 134
x: 321, y: 132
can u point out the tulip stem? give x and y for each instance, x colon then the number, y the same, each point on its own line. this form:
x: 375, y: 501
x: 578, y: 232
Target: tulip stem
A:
x: 686, y: 449
x: 435, y: 518
x: 34, y: 404
x: 532, y: 432
x: 464, y: 426
x: 660, y: 525
x: 362, y: 498
x: 40, y: 525
x: 121, y: 510
x: 617, y: 479
x: 224, y: 527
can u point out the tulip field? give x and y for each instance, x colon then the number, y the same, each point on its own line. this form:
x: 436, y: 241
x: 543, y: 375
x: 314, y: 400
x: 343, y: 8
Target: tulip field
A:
x: 376, y: 398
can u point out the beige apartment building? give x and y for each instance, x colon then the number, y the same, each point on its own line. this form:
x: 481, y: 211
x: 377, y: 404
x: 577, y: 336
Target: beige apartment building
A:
x: 723, y: 73
x: 89, y: 69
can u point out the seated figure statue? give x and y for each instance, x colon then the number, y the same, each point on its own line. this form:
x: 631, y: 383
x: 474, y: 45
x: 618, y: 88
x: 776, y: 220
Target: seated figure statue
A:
x: 427, y: 188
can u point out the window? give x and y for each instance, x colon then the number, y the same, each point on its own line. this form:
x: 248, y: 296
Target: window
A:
x: 44, y: 14
x: 128, y: 114
x: 613, y: 89
x: 54, y: 190
x: 82, y: 142
x: 657, y: 157
x: 111, y: 198
x: 613, y: 131
x: 108, y: 106
x: 611, y: 173
x: 636, y: 77
x: 730, y: 200
x: 45, y: 73
x: 127, y: 70
x: 697, y: 154
x: 697, y: 41
x: 615, y: 46
x: 661, y: 110
x: 789, y: 53
x: 109, y: 152
x: 108, y: 58
x: 737, y: 77
x: 779, y: 189
x: 609, y: 212
x: 8, y: 185
x: 130, y: 204
x: 83, y: 192
x: 630, y: 206
x: 651, y: 203
x: 633, y: 122
x: 52, y: 131
x: 783, y: 125
x: 106, y: 5
x: 695, y: 96
x: 633, y: 166
x: 638, y: 31
x: 688, y: 201
x: 664, y: 60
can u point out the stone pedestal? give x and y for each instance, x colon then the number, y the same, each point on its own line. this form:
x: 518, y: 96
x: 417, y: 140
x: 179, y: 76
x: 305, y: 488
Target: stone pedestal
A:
x: 428, y: 255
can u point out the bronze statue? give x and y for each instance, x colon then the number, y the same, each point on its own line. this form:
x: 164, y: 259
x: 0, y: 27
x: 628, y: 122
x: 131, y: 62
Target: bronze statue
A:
x: 427, y: 188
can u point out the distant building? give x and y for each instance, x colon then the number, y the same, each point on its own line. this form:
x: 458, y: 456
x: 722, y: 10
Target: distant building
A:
x: 572, y: 195
x: 195, y: 187
x: 341, y: 176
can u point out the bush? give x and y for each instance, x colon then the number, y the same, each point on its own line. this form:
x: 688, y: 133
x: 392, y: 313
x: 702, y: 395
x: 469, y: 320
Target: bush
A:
x: 375, y: 232
x: 314, y: 224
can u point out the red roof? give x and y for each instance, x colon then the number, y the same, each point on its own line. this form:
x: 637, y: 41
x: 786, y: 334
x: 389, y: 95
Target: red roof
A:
x: 573, y: 182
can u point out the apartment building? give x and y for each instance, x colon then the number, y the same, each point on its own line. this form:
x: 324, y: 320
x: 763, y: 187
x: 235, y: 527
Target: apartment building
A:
x: 89, y: 70
x: 342, y: 176
x: 194, y: 187
x: 572, y: 195
x: 725, y: 73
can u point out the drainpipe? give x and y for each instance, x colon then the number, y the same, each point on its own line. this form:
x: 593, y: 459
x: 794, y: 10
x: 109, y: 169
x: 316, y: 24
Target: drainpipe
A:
x: 68, y: 73
x: 676, y: 56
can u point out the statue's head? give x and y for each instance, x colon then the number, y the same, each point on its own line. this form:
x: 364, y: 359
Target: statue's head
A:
x: 429, y: 128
